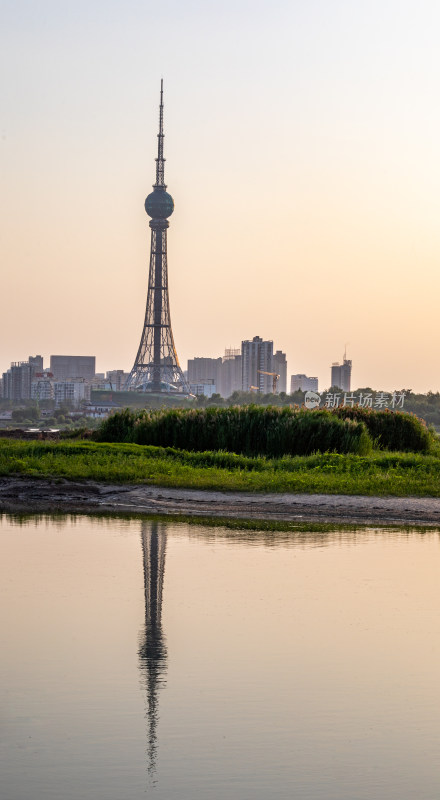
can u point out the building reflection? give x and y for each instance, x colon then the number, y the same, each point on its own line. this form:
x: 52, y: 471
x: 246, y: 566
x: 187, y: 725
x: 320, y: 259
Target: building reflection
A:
x: 152, y: 650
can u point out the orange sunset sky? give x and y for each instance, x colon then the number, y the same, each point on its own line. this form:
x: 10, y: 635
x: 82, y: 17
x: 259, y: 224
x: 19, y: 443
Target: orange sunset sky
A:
x: 302, y: 154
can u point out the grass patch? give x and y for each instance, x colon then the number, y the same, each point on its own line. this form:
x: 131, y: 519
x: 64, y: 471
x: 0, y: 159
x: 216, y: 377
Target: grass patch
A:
x: 380, y: 473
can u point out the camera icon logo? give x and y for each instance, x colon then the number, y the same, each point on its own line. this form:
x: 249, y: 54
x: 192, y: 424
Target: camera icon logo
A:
x: 312, y: 399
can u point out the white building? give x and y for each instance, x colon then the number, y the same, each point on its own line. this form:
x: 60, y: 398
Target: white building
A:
x: 71, y: 392
x: 100, y: 410
x: 208, y: 388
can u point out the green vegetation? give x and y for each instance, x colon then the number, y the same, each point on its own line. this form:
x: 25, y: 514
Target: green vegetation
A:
x: 379, y: 473
x: 251, y: 430
x: 270, y: 431
x: 392, y: 430
x: 31, y: 415
x: 426, y: 406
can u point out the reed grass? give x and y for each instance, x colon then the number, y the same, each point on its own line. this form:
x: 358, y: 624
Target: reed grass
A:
x: 270, y: 431
x: 249, y: 430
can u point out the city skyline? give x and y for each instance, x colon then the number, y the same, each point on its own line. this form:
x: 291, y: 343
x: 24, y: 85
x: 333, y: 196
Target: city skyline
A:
x: 305, y: 175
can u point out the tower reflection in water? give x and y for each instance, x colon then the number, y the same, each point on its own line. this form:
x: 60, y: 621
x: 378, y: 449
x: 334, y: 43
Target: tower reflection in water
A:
x: 153, y: 651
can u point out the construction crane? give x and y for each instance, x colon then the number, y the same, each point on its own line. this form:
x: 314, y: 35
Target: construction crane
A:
x: 275, y: 377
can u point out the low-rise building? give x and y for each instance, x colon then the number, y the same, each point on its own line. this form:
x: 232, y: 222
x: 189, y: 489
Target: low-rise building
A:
x: 100, y: 410
x: 116, y: 379
x: 207, y: 388
x: 42, y: 386
x: 303, y: 383
x: 99, y: 383
x: 73, y: 393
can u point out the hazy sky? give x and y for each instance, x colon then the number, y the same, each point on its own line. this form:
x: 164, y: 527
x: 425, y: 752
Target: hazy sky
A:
x: 302, y: 154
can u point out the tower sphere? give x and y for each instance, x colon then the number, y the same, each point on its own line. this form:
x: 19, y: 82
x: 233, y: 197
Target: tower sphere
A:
x: 159, y: 204
x: 156, y: 368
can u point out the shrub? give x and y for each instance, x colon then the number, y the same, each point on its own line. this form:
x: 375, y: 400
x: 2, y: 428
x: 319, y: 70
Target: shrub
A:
x: 249, y: 430
x: 391, y: 430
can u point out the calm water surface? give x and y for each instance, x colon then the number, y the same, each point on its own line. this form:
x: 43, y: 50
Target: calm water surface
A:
x: 141, y: 659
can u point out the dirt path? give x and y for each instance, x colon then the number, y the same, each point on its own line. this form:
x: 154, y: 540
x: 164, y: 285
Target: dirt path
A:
x: 26, y: 495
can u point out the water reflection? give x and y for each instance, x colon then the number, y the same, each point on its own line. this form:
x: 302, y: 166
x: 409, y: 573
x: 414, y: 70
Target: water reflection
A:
x: 346, y: 620
x: 152, y: 650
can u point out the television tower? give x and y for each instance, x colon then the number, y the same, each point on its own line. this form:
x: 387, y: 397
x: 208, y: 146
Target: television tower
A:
x: 156, y: 367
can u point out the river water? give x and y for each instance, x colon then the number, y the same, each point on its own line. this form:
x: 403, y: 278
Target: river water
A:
x: 146, y: 659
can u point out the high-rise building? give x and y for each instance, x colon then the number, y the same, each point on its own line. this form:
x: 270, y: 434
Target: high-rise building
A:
x: 203, y: 370
x: 256, y: 360
x: 225, y: 374
x: 26, y: 372
x: 303, y: 383
x: 341, y: 375
x: 231, y: 373
x: 12, y: 381
x: 279, y: 365
x: 64, y: 368
x: 156, y: 367
x: 36, y: 363
x: 17, y: 381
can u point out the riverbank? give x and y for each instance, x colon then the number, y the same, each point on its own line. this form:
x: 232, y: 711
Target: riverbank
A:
x: 378, y: 474
x: 27, y: 495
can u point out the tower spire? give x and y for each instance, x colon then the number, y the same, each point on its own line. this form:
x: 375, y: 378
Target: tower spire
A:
x: 160, y: 161
x: 156, y: 368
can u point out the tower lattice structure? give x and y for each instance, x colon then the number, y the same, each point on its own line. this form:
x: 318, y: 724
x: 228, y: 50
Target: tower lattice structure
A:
x: 156, y: 367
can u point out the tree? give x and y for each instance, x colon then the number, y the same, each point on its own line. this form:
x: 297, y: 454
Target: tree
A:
x: 216, y: 400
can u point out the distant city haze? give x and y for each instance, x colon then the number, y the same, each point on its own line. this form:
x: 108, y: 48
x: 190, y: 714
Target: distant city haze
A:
x: 302, y: 155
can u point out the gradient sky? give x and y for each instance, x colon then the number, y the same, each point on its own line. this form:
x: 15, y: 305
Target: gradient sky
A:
x: 302, y: 154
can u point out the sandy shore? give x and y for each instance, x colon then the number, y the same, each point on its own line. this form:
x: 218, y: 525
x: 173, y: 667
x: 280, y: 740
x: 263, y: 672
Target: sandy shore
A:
x: 25, y: 495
